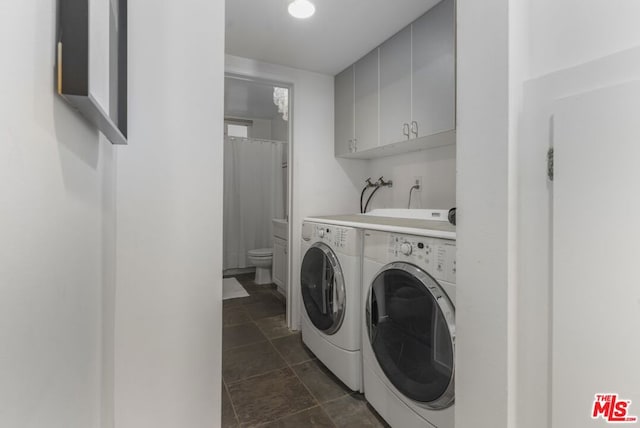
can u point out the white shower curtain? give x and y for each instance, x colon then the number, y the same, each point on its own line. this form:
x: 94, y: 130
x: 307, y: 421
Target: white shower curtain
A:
x: 253, y: 195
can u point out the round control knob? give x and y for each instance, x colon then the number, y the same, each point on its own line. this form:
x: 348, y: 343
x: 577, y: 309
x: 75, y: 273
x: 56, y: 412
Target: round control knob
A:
x: 321, y: 233
x: 406, y: 248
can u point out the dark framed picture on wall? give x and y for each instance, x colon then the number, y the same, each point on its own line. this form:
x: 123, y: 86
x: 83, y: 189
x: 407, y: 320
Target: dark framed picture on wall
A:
x: 91, y: 62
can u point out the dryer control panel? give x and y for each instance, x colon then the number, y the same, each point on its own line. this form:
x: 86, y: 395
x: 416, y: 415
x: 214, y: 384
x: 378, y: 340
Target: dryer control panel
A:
x: 436, y: 256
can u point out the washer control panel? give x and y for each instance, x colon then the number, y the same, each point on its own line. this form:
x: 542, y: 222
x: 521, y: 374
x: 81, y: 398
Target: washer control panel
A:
x: 436, y: 256
x: 344, y: 239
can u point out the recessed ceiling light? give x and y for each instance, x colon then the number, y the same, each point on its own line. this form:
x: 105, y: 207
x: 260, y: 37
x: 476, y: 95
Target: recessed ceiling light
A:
x: 301, y: 9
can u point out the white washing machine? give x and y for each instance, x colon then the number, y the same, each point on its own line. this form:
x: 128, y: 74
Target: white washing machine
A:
x: 330, y: 284
x: 408, y: 342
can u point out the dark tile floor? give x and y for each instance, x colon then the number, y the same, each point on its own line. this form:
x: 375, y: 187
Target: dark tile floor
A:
x: 270, y: 379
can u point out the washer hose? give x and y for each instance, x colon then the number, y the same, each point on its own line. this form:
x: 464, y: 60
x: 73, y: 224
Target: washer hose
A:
x: 370, y: 196
x: 362, y: 197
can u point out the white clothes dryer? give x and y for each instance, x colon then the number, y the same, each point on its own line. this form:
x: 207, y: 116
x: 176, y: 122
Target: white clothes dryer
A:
x: 330, y: 285
x: 408, y: 343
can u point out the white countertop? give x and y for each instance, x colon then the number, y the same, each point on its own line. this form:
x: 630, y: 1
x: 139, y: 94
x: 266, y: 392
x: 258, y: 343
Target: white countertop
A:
x: 410, y: 226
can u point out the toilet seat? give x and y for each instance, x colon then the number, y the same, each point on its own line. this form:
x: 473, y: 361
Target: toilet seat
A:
x: 261, y: 252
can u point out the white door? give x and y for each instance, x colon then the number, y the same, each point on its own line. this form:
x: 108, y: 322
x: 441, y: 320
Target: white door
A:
x: 596, y: 254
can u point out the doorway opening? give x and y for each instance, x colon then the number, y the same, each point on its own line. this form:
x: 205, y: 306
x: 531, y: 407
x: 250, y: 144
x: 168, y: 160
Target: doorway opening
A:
x: 257, y: 181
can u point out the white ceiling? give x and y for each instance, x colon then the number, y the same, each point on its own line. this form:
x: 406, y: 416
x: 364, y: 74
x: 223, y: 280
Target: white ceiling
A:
x: 244, y: 98
x: 340, y: 32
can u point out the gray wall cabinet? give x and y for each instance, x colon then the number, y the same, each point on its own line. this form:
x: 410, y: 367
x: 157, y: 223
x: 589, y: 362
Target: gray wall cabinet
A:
x: 395, y: 87
x: 344, y: 112
x: 366, y: 102
x: 403, y: 93
x: 433, y: 70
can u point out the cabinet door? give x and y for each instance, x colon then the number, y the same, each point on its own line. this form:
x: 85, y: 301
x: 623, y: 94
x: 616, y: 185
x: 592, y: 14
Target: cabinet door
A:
x: 433, y: 92
x: 366, y: 102
x: 395, y: 87
x: 279, y: 262
x: 344, y: 125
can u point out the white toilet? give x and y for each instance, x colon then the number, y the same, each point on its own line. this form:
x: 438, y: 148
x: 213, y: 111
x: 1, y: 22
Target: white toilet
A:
x: 262, y: 259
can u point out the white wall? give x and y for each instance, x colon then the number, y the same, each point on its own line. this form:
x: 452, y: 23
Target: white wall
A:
x: 571, y: 32
x: 553, y: 50
x: 169, y: 251
x: 321, y: 184
x: 108, y: 154
x: 484, y: 295
x: 56, y: 217
x: 436, y: 167
x: 567, y: 46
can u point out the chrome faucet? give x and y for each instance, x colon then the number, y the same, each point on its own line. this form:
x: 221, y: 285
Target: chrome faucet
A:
x: 383, y: 183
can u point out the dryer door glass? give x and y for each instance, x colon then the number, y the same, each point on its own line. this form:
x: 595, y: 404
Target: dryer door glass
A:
x: 322, y: 286
x: 410, y: 322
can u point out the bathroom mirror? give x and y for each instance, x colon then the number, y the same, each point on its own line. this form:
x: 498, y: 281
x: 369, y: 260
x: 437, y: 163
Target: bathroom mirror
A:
x: 91, y: 62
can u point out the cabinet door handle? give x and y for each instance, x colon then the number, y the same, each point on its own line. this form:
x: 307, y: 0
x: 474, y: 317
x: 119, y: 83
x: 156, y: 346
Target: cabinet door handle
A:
x: 414, y: 128
x: 355, y: 144
x: 405, y: 130
x: 351, y: 148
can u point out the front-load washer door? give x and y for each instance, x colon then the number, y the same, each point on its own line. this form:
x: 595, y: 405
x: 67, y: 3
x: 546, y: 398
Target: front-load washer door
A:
x: 323, y: 291
x: 411, y: 329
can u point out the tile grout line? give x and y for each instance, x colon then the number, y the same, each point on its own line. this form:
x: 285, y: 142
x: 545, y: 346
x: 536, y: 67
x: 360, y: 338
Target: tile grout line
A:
x: 339, y: 398
x: 267, y: 372
x: 321, y: 405
x: 278, y: 337
x: 291, y: 333
x: 233, y: 407
x: 255, y: 319
x: 239, y: 308
x: 331, y: 401
x: 347, y: 395
x: 290, y: 366
x: 266, y: 339
x: 251, y: 321
x: 251, y: 377
x: 255, y: 376
x: 348, y: 390
x: 293, y: 414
